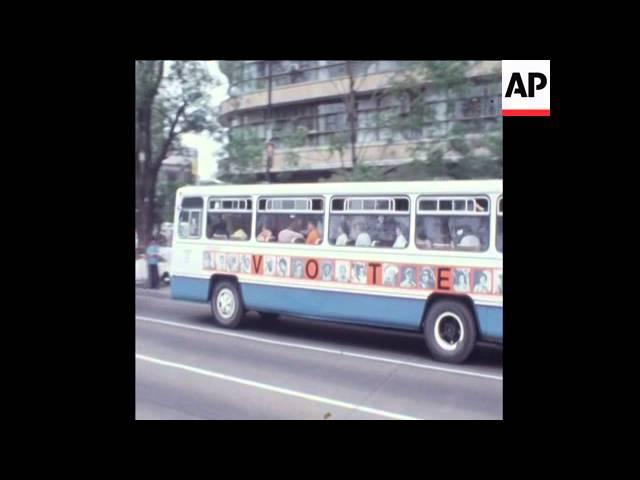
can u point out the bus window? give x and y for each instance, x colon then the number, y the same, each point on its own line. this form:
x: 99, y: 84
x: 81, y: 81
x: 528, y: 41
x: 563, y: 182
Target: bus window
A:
x: 499, y: 226
x: 447, y: 223
x: 229, y: 219
x: 290, y: 220
x: 190, y: 219
x: 369, y: 222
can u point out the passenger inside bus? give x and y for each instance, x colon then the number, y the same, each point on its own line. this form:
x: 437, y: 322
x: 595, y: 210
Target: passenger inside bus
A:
x: 401, y: 238
x: 265, y: 234
x: 363, y: 239
x: 469, y: 233
x: 343, y: 234
x: 469, y: 241
x: 194, y: 225
x: 313, y: 236
x: 239, y: 234
x: 434, y: 233
x: 369, y: 230
x: 291, y: 233
x: 218, y: 230
x: 228, y: 226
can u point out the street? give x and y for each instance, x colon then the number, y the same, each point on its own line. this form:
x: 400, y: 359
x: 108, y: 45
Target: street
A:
x: 188, y: 368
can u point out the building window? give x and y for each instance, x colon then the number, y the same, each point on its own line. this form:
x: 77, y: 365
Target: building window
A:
x: 474, y: 112
x: 336, y: 68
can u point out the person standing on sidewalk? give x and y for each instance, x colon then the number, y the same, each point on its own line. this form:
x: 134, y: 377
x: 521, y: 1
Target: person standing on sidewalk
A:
x: 153, y: 258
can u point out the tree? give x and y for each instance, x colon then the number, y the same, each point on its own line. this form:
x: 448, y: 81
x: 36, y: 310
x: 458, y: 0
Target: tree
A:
x: 464, y: 149
x: 171, y: 99
x: 244, y: 153
x: 356, y: 72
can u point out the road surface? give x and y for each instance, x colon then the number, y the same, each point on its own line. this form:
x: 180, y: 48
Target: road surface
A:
x: 188, y: 368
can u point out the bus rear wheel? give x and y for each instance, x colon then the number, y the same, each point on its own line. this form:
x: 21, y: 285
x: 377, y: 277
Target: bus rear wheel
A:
x: 226, y: 304
x: 450, y: 331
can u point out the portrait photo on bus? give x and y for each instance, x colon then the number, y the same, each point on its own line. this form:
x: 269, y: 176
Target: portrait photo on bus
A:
x: 359, y: 272
x: 246, y: 263
x: 461, y: 279
x: 207, y: 261
x: 498, y: 282
x: 326, y: 267
x: 482, y: 281
x: 232, y: 263
x: 270, y: 265
x: 427, y: 278
x: 283, y: 266
x: 390, y: 275
x: 408, y: 277
x: 221, y: 262
x: 297, y: 267
x: 343, y: 269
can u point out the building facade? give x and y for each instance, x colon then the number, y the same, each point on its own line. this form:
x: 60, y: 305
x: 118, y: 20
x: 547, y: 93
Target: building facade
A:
x: 180, y: 167
x: 303, y: 108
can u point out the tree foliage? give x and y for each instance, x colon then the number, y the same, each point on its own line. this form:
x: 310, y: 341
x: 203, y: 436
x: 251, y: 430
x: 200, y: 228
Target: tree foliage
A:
x: 172, y: 98
x: 437, y: 148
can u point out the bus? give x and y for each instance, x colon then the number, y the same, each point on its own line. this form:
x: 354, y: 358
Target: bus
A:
x: 423, y: 256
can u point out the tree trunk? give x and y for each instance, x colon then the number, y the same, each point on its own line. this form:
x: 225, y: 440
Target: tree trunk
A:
x: 146, y: 172
x: 147, y: 211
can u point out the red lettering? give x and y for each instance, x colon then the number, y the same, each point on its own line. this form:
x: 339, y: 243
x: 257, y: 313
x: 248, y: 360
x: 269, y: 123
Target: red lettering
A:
x: 373, y: 273
x: 310, y: 275
x: 256, y: 266
x: 444, y: 278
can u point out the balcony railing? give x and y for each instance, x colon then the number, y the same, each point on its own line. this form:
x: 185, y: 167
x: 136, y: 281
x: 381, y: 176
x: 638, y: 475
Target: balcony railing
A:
x: 293, y: 73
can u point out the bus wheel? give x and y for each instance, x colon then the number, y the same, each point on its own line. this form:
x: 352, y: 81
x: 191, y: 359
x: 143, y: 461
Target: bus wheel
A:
x: 450, y: 331
x: 226, y: 304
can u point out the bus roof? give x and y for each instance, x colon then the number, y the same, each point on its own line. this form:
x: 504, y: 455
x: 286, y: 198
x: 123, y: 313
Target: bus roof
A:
x: 448, y: 187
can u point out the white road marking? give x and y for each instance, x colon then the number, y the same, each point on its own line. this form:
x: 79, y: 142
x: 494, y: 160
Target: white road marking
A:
x: 273, y: 388
x: 319, y: 349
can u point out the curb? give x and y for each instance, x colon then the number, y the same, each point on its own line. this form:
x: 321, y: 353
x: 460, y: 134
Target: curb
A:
x: 147, y: 292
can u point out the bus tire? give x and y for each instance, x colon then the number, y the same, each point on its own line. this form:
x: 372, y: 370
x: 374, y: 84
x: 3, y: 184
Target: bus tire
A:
x: 450, y: 331
x: 226, y: 304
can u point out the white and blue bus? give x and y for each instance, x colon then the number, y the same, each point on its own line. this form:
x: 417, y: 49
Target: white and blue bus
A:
x: 418, y: 256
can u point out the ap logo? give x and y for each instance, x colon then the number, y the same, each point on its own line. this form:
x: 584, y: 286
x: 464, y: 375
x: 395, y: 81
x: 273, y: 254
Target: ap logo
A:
x: 526, y: 87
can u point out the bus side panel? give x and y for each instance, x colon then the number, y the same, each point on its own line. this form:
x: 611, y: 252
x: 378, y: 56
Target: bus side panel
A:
x: 192, y: 289
x: 490, y: 320
x: 338, y: 306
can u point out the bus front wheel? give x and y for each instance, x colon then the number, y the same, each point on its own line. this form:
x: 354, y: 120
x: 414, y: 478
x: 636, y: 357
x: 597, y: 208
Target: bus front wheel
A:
x: 450, y: 331
x: 226, y: 304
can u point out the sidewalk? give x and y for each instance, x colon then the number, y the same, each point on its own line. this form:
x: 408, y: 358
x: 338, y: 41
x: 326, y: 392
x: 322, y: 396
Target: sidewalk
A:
x: 143, y: 290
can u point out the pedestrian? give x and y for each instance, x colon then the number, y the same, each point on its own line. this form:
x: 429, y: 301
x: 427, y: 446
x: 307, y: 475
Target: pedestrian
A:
x: 153, y: 258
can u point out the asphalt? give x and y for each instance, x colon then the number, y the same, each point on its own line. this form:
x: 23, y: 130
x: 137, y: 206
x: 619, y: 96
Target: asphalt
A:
x: 188, y: 368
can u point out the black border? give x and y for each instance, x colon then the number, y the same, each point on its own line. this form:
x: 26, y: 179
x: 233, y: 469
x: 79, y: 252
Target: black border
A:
x: 531, y: 152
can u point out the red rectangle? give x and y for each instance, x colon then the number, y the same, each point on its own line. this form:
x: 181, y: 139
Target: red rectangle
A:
x: 526, y: 113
